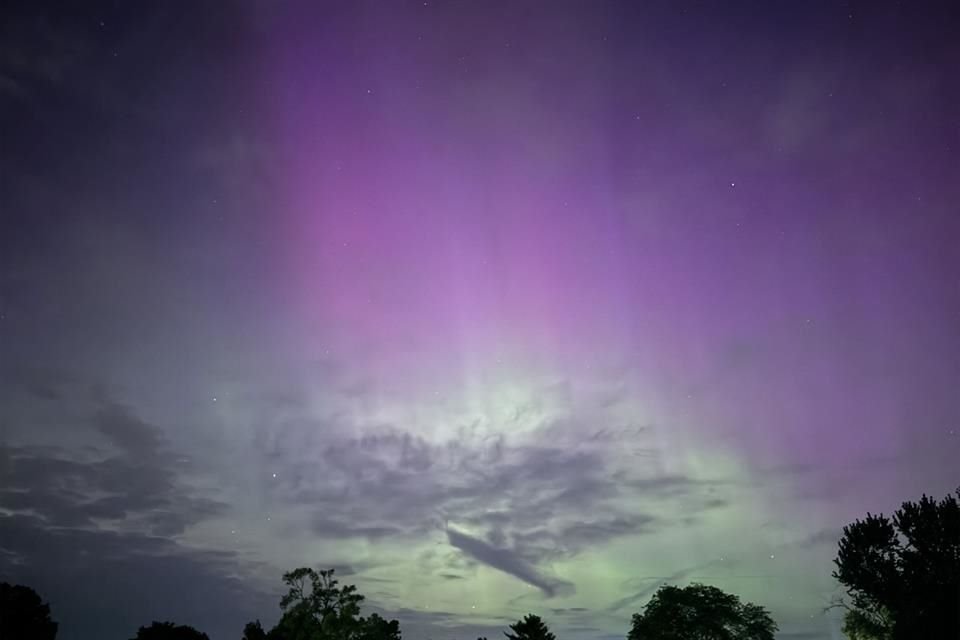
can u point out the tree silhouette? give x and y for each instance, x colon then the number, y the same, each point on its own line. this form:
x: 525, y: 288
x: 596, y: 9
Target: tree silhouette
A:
x: 317, y: 608
x: 377, y: 628
x: 860, y: 624
x: 700, y: 612
x: 23, y: 614
x: 169, y: 631
x: 254, y: 631
x: 531, y: 627
x: 903, y: 573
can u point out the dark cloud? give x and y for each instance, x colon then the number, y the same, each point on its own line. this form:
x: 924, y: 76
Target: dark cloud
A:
x: 328, y: 527
x: 434, y: 615
x: 389, y: 470
x: 583, y: 534
x: 573, y: 536
x: 716, y: 503
x: 46, y: 384
x: 95, y: 530
x: 65, y: 492
x: 528, y: 500
x: 507, y: 561
x: 103, y: 583
x: 649, y: 585
x: 138, y: 486
x: 127, y: 431
x: 342, y: 570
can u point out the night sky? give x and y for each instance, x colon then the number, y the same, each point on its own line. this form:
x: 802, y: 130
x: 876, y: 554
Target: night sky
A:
x: 496, y: 307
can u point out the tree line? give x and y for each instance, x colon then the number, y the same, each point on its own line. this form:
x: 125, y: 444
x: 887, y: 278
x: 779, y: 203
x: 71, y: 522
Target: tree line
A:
x: 901, y: 575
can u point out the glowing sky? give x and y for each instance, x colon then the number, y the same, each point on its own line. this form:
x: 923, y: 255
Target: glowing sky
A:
x: 496, y: 307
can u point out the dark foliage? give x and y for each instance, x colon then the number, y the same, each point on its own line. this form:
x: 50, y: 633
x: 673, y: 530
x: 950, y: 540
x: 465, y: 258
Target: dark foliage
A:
x: 169, y: 631
x: 378, y: 628
x: 254, y: 631
x: 700, y: 612
x: 24, y: 615
x: 316, y: 607
x: 903, y: 573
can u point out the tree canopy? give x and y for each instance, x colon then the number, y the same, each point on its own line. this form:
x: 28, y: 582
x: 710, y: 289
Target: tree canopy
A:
x: 254, y: 631
x: 378, y: 628
x: 903, y: 573
x: 169, y: 631
x: 316, y: 607
x: 700, y: 612
x: 531, y: 627
x: 24, y: 614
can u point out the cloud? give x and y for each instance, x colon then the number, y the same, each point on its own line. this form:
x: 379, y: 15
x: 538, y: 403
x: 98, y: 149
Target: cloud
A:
x: 89, y: 526
x: 396, y: 477
x: 556, y: 492
x: 653, y: 583
x: 507, y: 561
x: 127, y: 431
x: 586, y: 533
x: 138, y: 487
x: 824, y: 537
x: 46, y: 384
x: 95, y: 579
x: 329, y: 527
x: 523, y: 500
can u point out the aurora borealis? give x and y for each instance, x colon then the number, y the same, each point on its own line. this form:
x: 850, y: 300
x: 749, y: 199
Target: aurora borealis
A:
x: 496, y: 307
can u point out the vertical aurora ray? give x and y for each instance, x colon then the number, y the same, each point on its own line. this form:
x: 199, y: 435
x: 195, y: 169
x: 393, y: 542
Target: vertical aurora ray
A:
x: 505, y: 266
